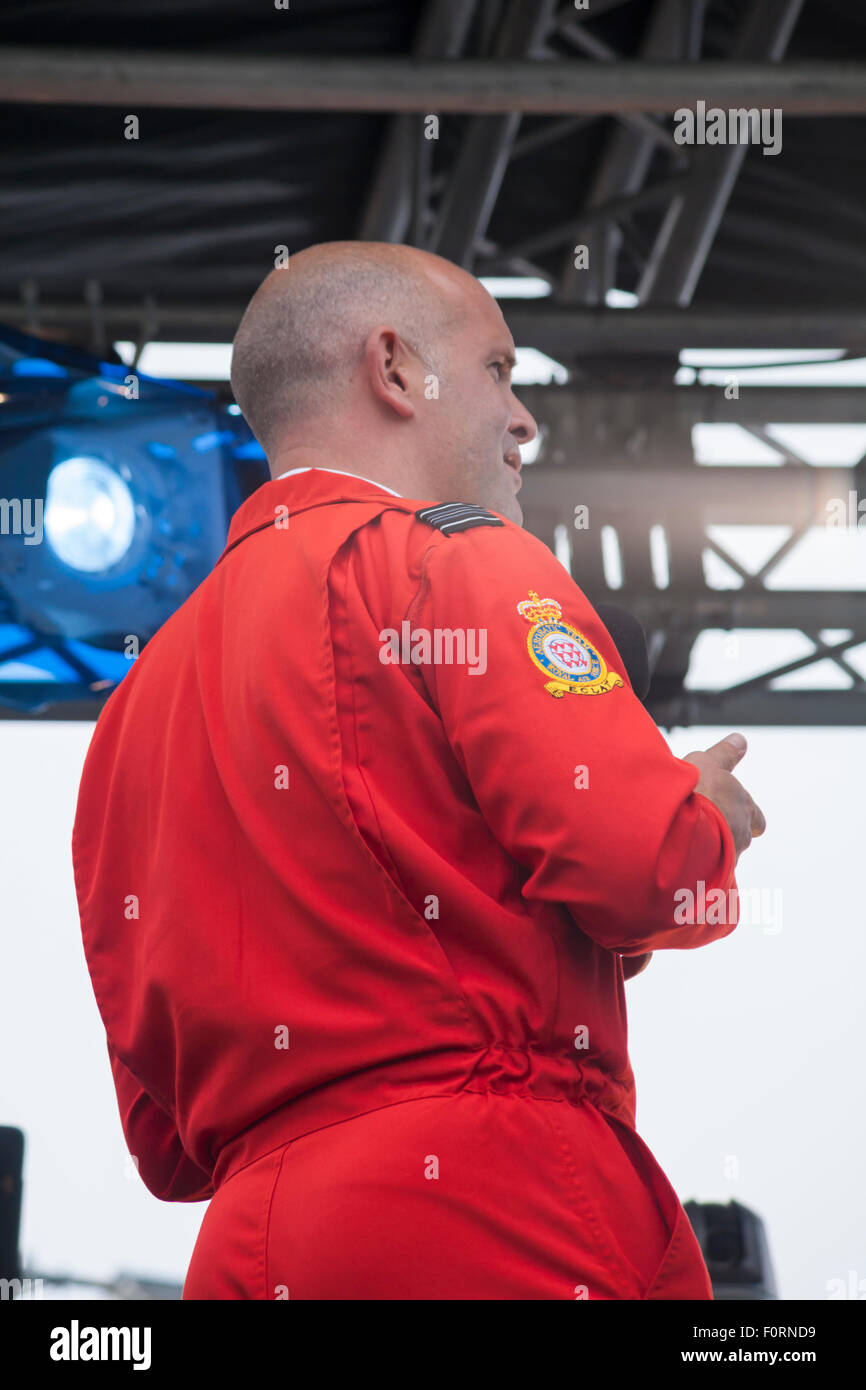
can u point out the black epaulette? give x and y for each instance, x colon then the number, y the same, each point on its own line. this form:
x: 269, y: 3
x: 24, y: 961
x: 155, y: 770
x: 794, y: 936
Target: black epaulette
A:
x: 457, y: 516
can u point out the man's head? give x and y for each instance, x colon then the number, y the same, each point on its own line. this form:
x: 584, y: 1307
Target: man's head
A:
x: 385, y: 361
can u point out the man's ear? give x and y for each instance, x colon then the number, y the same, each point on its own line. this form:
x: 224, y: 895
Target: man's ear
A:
x: 388, y: 361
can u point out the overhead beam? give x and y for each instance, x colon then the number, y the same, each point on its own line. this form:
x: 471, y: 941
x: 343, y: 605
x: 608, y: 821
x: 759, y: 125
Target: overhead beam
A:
x: 775, y: 708
x: 726, y: 609
x: 567, y: 332
x: 142, y: 79
x: 726, y: 495
x: 574, y: 412
x: 564, y: 331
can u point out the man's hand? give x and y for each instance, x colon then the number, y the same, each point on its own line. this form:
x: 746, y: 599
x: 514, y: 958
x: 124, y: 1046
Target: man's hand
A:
x: 739, y: 810
x: 716, y: 783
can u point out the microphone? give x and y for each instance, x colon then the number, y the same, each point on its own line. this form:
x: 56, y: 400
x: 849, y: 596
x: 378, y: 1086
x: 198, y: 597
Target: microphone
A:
x: 630, y: 641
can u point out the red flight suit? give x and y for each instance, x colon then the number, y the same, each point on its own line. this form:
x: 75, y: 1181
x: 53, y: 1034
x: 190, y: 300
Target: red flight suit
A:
x: 354, y: 902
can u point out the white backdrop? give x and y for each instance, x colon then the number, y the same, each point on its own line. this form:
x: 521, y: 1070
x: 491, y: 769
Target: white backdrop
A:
x: 748, y: 1053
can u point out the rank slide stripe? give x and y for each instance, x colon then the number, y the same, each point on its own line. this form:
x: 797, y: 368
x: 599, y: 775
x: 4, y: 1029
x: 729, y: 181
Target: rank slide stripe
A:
x: 457, y: 516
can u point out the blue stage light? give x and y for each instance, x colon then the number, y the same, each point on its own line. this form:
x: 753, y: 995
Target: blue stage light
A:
x: 116, y: 492
x: 89, y: 514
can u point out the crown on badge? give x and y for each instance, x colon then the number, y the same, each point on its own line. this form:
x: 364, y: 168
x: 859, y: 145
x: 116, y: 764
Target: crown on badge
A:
x: 539, y: 610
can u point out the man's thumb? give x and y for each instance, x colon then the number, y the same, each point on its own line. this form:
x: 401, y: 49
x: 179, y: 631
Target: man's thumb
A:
x: 728, y: 752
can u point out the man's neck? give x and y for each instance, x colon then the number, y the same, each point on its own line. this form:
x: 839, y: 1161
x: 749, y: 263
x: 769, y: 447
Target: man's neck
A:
x: 338, y: 473
x: 401, y: 479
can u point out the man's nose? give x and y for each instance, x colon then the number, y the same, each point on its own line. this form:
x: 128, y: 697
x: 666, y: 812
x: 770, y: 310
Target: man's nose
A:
x: 522, y: 424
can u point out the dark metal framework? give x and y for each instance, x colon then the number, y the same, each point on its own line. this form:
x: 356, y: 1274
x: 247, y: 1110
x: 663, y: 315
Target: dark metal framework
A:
x: 636, y: 470
x: 518, y: 82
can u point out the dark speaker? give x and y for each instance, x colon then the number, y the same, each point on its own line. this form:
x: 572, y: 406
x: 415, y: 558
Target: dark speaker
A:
x: 734, y: 1244
x: 11, y: 1170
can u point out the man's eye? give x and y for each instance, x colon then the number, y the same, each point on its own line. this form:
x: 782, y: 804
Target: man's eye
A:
x: 501, y: 367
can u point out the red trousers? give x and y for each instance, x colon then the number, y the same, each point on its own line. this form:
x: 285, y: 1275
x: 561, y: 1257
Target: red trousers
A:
x: 470, y: 1196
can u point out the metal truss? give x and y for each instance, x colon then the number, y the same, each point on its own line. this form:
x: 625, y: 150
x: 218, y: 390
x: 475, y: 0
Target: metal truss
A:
x: 627, y: 457
x: 63, y: 77
x: 648, y: 213
x: 590, y: 339
x: 402, y: 168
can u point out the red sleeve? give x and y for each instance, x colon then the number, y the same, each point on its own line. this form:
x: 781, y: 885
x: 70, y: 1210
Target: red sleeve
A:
x: 163, y: 1164
x: 580, y: 788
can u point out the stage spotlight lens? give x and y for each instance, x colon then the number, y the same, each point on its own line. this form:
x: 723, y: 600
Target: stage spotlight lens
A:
x: 89, y: 514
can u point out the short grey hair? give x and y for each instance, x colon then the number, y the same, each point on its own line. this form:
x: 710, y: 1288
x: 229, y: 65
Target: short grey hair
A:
x: 302, y: 335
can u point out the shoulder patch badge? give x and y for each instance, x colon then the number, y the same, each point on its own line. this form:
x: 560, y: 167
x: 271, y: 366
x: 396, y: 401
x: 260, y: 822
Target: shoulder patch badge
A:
x: 457, y: 516
x: 563, y: 653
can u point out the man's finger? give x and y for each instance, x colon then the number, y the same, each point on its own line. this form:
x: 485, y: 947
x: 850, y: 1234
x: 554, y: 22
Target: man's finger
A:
x: 728, y: 752
x: 759, y: 823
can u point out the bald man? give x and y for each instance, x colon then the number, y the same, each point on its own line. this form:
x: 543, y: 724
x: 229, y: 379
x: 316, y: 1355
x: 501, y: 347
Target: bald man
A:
x: 374, y: 831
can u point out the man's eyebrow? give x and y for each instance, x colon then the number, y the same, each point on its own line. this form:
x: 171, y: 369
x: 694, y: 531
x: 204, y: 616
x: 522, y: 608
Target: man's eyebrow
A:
x: 507, y: 356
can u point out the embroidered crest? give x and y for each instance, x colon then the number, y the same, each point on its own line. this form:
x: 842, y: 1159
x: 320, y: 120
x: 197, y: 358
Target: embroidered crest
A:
x: 563, y: 653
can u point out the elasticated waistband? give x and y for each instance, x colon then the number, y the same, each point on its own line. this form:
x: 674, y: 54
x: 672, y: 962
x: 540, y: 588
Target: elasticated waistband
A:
x: 531, y: 1072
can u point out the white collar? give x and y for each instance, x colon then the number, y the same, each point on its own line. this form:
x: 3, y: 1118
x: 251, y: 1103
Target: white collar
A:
x: 310, y: 469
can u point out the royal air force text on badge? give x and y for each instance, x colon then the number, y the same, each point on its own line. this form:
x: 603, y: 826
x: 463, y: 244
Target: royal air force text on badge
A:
x: 563, y: 653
